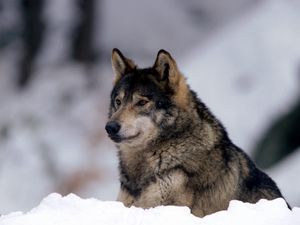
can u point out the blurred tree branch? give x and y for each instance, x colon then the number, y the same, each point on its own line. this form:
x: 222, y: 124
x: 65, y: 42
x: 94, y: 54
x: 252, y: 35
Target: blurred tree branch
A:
x: 280, y: 140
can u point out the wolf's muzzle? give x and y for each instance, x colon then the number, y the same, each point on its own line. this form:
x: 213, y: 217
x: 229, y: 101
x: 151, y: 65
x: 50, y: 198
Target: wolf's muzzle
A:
x: 112, y: 128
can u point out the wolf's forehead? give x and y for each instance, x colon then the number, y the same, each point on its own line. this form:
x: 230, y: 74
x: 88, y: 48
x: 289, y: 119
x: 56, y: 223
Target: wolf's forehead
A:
x: 129, y: 93
x: 139, y: 84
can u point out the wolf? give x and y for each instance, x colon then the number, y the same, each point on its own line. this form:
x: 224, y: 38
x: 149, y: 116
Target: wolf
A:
x: 172, y: 150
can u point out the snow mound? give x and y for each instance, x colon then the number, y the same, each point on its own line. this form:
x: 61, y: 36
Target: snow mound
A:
x: 72, y: 210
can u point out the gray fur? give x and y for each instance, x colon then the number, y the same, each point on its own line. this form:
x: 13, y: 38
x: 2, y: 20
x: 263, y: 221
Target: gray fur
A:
x: 187, y: 159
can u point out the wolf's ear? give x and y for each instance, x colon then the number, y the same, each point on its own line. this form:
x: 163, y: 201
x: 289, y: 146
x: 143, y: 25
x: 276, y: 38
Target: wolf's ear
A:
x: 166, y: 66
x: 120, y: 64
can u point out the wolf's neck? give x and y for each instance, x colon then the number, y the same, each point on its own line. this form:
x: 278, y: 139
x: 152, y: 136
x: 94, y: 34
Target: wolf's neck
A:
x: 205, y: 118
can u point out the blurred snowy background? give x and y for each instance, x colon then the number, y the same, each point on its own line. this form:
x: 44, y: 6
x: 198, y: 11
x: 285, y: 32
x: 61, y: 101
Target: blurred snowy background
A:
x: 241, y: 56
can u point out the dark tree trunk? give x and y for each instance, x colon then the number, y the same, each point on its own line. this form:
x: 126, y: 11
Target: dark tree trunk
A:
x: 33, y: 30
x: 83, y: 49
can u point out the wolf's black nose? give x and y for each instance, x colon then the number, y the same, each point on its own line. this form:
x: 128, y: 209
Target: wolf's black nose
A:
x: 112, y: 127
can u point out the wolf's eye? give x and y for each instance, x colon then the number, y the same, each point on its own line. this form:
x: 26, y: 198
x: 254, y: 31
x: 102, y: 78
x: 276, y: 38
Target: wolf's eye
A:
x: 141, y: 103
x: 118, y: 102
x: 159, y: 104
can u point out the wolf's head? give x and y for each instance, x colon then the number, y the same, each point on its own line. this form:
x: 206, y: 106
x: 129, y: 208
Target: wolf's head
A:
x: 145, y: 103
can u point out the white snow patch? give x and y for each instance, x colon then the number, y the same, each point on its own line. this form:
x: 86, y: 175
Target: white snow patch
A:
x: 72, y: 210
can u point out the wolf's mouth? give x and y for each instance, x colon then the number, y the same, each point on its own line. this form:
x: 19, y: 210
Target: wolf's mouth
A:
x: 118, y: 138
x: 132, y: 137
x: 115, y: 138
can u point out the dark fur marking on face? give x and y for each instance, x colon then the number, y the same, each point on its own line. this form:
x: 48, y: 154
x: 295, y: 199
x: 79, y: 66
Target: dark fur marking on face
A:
x: 144, y: 82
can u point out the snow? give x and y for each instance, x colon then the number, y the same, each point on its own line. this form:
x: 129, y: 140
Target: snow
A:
x: 73, y: 210
x: 50, y: 138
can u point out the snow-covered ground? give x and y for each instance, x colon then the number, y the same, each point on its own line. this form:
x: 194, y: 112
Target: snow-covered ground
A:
x: 72, y: 210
